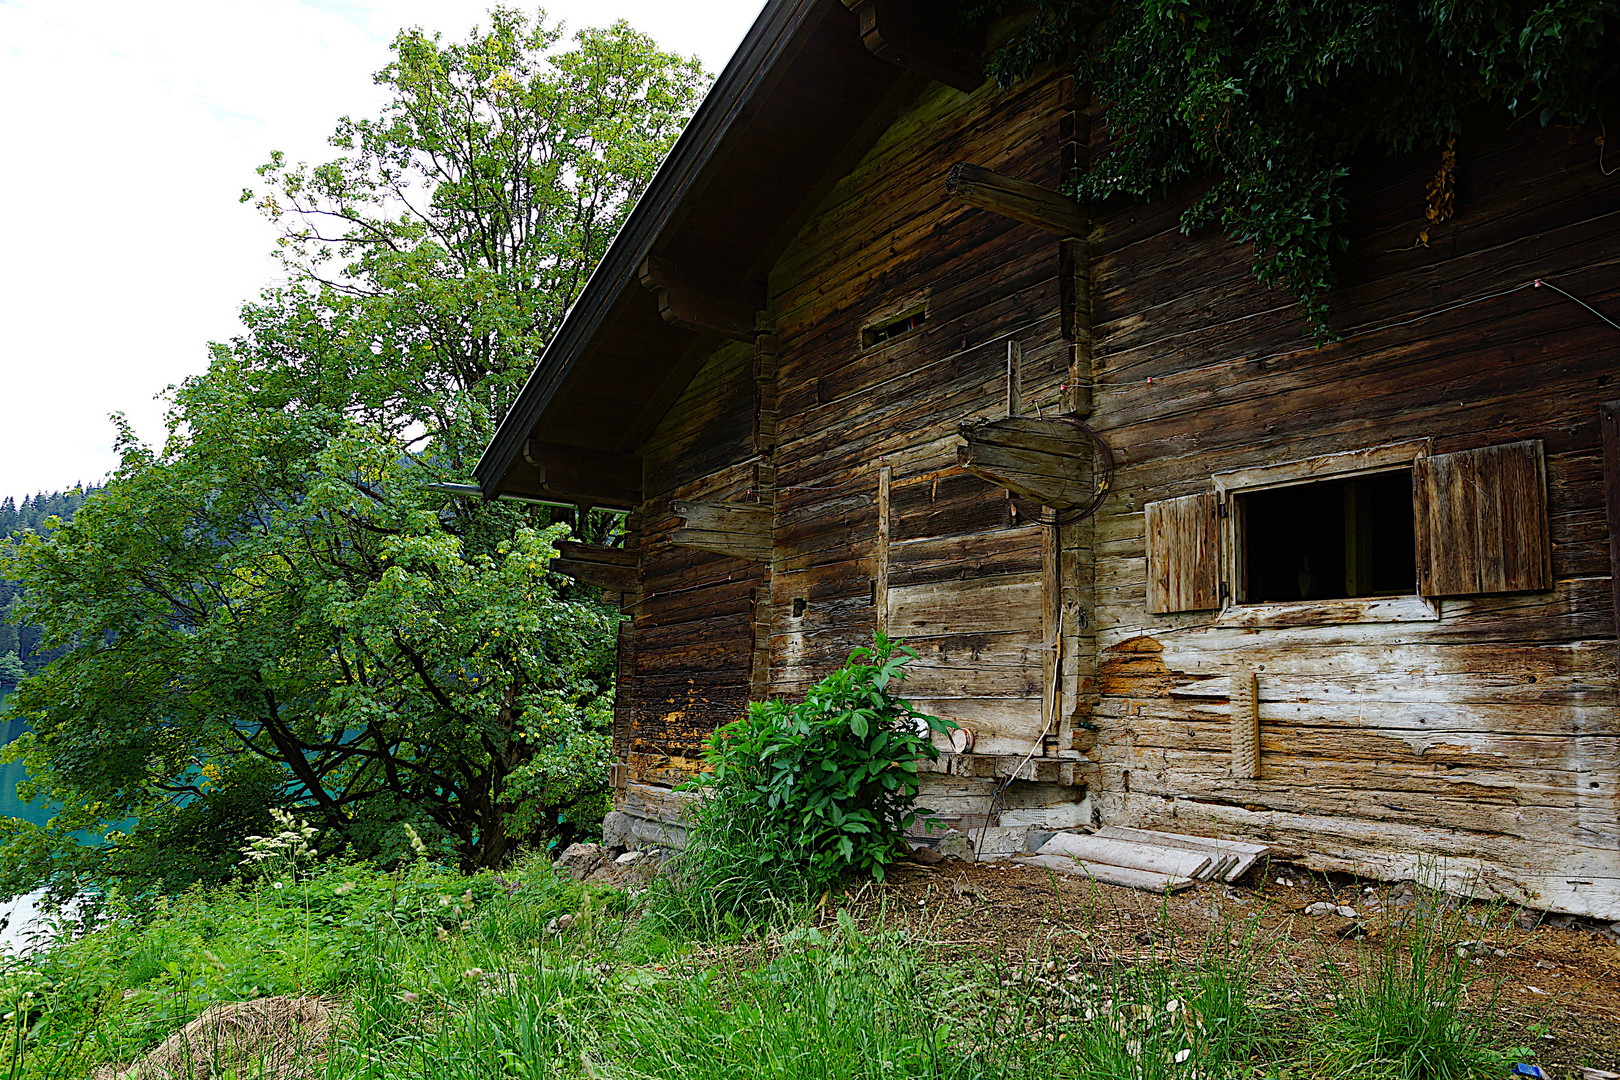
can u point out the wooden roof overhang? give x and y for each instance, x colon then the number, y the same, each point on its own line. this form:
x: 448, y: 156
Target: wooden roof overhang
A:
x: 812, y: 85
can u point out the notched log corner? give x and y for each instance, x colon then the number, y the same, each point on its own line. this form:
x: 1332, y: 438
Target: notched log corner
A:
x: 741, y: 530
x: 612, y: 569
x: 1048, y: 461
x: 1021, y: 200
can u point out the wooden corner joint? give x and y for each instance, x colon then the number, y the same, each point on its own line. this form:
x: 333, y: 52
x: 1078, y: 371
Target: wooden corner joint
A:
x: 695, y: 298
x: 741, y: 530
x: 1021, y: 200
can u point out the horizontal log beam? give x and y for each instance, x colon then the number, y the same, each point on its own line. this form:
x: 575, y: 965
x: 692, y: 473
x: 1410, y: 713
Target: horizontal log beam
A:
x: 1018, y: 199
x: 598, y: 553
x: 1048, y: 461
x: 915, y: 36
x: 610, y: 577
x: 700, y: 301
x: 575, y: 475
x: 741, y: 530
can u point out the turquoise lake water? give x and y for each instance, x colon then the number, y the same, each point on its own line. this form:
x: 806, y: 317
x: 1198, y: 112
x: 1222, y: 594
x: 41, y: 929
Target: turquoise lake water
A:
x: 19, y: 913
x: 11, y: 775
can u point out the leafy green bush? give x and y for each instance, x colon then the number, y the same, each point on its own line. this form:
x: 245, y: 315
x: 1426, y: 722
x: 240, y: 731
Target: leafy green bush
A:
x: 798, y: 795
x: 837, y: 772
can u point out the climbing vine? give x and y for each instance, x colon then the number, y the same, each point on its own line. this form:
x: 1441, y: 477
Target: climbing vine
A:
x: 1273, y: 102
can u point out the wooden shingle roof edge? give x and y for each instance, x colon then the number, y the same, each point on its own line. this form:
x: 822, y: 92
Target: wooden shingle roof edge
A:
x: 772, y: 36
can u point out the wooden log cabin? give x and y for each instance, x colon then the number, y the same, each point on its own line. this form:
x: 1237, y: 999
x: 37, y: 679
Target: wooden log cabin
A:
x: 853, y: 363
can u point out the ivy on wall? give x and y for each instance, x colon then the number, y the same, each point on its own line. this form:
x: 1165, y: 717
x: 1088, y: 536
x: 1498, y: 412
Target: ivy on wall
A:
x: 1273, y: 101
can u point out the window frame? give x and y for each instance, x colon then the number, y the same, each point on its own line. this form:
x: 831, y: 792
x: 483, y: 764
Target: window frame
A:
x: 1322, y: 468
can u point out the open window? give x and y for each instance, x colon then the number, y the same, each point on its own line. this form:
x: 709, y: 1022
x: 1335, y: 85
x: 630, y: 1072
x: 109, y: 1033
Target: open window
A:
x: 1374, y: 536
x: 1325, y: 540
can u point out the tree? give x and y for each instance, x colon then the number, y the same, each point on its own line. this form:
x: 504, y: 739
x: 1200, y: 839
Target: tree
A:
x: 11, y: 669
x: 275, y: 608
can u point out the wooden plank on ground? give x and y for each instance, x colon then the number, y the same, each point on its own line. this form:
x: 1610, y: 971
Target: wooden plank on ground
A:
x: 1237, y: 855
x: 1136, y: 854
x: 1146, y: 880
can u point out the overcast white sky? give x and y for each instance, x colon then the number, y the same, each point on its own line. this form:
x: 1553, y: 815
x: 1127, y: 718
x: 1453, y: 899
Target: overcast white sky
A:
x: 127, y: 132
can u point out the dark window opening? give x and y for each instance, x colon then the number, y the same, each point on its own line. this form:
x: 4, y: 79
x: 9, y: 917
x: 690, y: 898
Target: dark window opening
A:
x: 887, y: 331
x: 799, y: 605
x: 1333, y: 540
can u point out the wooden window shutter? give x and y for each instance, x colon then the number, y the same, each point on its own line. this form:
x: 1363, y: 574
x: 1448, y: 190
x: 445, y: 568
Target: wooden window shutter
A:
x: 1481, y: 521
x: 1182, y: 560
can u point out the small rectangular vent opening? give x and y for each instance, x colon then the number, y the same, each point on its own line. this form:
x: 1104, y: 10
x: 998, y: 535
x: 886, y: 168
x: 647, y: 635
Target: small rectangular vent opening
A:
x: 889, y: 329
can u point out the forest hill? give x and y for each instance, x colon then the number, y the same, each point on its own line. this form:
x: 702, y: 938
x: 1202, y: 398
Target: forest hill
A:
x: 18, y: 641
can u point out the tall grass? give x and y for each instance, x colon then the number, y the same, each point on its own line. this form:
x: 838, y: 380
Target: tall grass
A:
x: 441, y: 975
x: 1416, y: 1012
x: 734, y: 876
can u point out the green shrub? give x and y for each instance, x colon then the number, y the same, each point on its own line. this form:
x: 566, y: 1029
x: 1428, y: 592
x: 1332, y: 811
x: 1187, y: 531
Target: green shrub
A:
x: 798, y: 795
x: 837, y: 772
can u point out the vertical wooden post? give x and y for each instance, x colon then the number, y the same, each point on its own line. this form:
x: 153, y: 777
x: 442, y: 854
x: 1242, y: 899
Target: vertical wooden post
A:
x: 1074, y: 258
x: 1051, y: 623
x: 759, y: 669
x: 625, y: 683
x: 1245, y: 697
x: 880, y: 590
x: 1609, y: 420
x: 1015, y: 379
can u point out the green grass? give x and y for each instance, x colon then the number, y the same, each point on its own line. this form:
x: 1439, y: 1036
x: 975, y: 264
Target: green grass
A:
x: 1409, y: 1015
x: 464, y: 977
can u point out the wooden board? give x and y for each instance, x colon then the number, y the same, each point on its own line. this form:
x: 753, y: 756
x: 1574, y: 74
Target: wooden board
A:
x: 1146, y: 880
x: 1136, y: 854
x: 1182, y: 553
x: 1610, y: 420
x: 1482, y: 521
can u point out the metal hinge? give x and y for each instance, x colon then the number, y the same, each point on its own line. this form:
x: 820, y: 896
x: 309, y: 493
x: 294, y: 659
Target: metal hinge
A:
x: 1220, y: 510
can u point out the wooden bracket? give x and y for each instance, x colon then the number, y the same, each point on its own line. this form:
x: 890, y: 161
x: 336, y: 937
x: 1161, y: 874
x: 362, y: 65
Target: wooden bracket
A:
x: 1047, y: 461
x: 1018, y: 199
x: 573, y: 474
x: 613, y: 569
x: 741, y: 530
x: 917, y: 37
x: 696, y: 300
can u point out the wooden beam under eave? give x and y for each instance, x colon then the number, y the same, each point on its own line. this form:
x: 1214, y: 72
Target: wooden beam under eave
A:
x: 1021, y: 200
x: 741, y: 530
x: 1047, y: 461
x: 611, y: 569
x: 918, y: 37
x: 575, y: 475
x: 702, y: 302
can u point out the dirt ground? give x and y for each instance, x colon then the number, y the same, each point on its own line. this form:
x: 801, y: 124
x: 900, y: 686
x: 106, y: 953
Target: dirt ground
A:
x: 1554, y: 988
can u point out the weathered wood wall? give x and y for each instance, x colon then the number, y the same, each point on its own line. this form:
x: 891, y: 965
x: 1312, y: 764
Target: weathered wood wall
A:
x: 962, y: 566
x: 961, y: 569
x: 692, y: 621
x: 1482, y: 744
